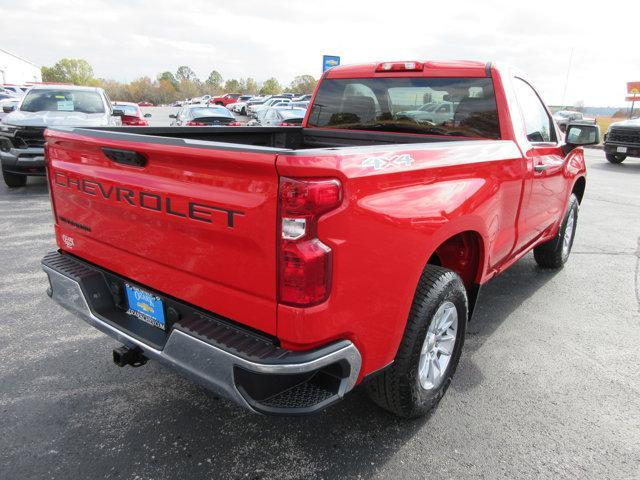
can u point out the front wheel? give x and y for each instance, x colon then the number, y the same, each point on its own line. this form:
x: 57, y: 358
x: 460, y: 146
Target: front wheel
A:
x: 555, y: 252
x: 616, y: 157
x: 430, y: 348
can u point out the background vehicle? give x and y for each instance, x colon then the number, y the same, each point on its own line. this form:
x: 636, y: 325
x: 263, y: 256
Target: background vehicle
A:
x: 302, y: 104
x: 18, y: 90
x: 435, y: 113
x: 282, y: 266
x: 303, y: 98
x: 241, y: 105
x: 8, y: 105
x: 252, y: 110
x: 22, y: 132
x: 225, y: 99
x: 282, y: 117
x: 131, y: 114
x: 4, y: 93
x: 9, y: 96
x: 145, y: 104
x: 622, y: 140
x: 564, y: 117
x: 197, y: 116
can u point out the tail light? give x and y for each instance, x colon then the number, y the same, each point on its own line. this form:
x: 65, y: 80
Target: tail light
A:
x: 235, y: 124
x: 131, y: 121
x: 305, y: 263
x: 400, y: 67
x: 287, y: 124
x: 192, y: 123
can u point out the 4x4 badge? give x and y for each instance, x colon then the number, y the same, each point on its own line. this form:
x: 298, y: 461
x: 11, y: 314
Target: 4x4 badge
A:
x: 380, y: 163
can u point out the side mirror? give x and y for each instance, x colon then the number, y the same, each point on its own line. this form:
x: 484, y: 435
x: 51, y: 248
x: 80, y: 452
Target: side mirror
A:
x: 117, y: 113
x: 580, y: 135
x: 147, y: 115
x: 173, y: 115
x: 8, y: 108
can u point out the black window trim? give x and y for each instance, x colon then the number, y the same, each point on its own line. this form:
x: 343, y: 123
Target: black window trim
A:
x: 555, y: 140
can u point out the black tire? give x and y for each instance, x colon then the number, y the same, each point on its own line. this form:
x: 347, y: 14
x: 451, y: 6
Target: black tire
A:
x: 398, y: 388
x: 243, y: 111
x: 616, y: 157
x: 551, y: 254
x: 14, y: 180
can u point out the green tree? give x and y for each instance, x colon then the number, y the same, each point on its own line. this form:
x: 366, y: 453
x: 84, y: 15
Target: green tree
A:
x: 167, y: 92
x: 232, y: 86
x: 168, y: 77
x: 215, y: 81
x: 250, y: 86
x: 143, y: 89
x: 303, y: 84
x: 271, y: 87
x: 188, y: 89
x: 70, y: 70
x: 185, y: 73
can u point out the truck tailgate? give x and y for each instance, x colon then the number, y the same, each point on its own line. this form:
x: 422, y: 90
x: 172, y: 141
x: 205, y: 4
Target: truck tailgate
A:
x: 194, y: 221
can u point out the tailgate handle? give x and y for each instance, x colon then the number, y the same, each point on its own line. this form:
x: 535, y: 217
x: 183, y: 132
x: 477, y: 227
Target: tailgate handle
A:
x: 126, y: 157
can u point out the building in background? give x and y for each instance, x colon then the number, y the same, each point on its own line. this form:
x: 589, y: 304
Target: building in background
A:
x: 17, y: 70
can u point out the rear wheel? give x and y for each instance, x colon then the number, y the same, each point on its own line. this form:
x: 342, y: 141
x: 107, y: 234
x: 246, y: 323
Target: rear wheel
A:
x: 616, y: 157
x: 555, y: 252
x: 430, y: 348
x: 14, y: 180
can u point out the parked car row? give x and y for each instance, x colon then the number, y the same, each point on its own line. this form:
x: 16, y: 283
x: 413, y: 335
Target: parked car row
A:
x: 204, y: 116
x: 279, y: 116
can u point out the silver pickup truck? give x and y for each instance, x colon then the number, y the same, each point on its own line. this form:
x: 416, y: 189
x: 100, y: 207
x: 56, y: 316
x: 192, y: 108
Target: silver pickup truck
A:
x: 22, y: 130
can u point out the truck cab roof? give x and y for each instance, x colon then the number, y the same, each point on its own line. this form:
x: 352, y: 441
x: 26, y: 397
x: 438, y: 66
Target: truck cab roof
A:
x: 470, y: 68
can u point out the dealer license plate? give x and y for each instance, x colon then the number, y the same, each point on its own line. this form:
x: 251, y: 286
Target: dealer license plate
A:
x: 146, y: 306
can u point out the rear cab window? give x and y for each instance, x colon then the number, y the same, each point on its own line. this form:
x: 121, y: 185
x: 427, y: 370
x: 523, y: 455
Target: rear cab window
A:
x: 453, y: 106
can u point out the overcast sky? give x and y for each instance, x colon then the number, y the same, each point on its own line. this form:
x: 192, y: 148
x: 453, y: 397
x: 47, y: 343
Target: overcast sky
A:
x: 128, y: 39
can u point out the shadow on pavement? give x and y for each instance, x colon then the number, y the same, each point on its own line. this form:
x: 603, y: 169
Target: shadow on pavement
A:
x: 498, y: 299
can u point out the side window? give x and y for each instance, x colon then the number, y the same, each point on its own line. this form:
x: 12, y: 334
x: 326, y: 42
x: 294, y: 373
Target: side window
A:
x: 537, y: 122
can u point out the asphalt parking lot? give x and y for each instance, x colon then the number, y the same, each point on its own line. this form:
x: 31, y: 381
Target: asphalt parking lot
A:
x: 548, y: 385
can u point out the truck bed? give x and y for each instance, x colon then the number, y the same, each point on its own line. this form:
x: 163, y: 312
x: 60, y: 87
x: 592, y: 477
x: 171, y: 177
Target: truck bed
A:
x: 282, y: 139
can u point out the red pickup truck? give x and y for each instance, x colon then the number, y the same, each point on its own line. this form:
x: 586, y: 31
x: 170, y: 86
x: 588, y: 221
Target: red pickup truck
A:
x: 281, y: 267
x: 226, y: 99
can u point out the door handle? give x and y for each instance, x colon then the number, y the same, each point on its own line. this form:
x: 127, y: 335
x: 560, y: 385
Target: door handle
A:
x: 540, y: 168
x: 126, y: 157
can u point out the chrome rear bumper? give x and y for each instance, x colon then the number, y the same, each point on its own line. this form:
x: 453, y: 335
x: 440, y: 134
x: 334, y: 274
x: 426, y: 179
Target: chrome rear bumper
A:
x: 247, y: 369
